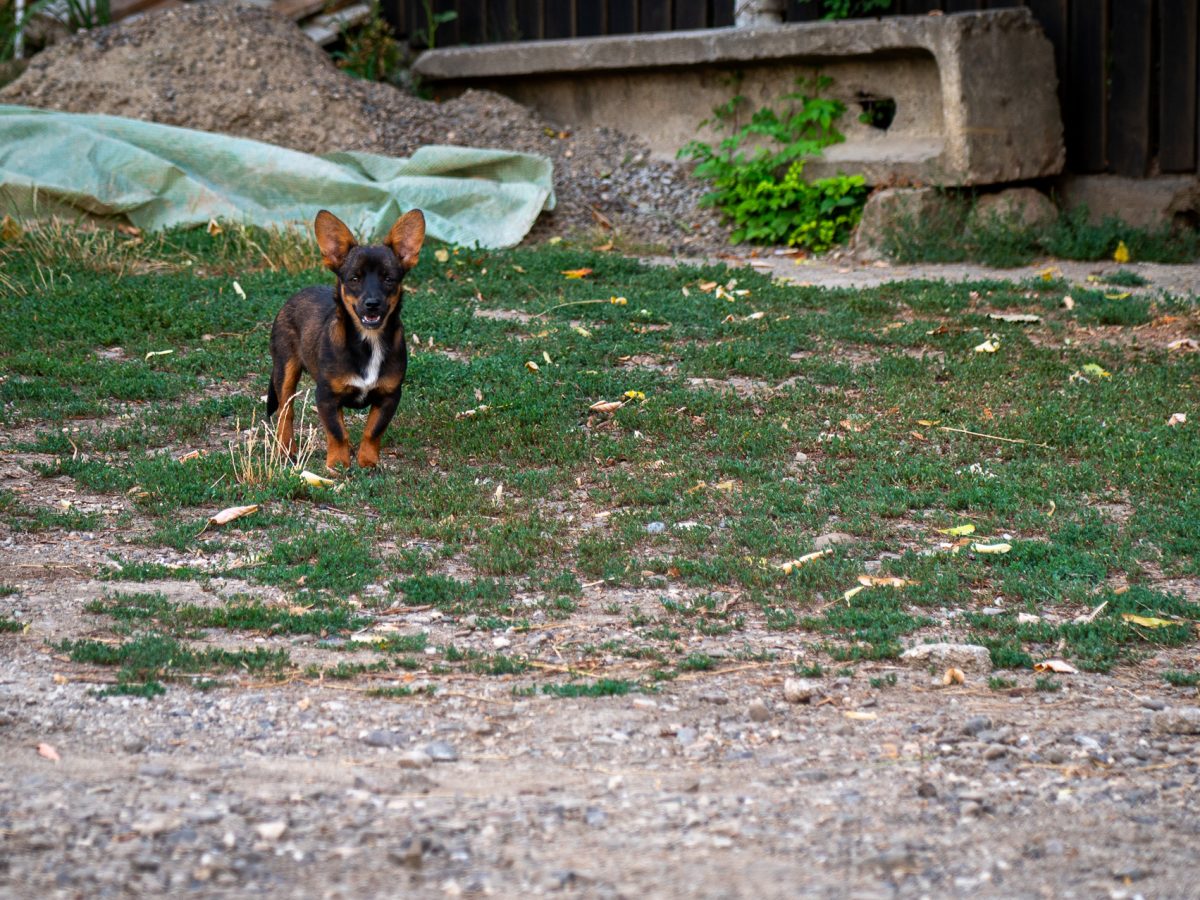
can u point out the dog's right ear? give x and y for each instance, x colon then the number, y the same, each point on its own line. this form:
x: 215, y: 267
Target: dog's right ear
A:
x: 334, y: 239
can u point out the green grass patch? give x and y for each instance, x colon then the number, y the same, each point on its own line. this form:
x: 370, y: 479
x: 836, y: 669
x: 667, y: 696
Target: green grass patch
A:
x: 603, y: 687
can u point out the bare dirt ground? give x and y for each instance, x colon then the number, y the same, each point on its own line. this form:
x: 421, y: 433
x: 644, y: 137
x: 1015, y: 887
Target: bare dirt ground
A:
x: 719, y: 785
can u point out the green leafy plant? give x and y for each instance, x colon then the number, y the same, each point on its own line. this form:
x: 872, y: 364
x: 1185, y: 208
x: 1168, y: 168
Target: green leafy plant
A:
x: 844, y: 9
x: 371, y: 52
x: 434, y: 21
x: 757, y: 172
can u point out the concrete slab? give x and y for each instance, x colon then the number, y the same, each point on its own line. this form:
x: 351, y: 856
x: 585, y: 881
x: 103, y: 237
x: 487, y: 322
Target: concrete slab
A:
x: 974, y: 93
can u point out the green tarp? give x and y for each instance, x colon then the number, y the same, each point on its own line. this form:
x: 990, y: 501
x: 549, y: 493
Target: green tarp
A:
x: 158, y: 176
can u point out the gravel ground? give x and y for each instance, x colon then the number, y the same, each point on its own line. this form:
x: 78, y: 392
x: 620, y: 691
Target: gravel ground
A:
x: 244, y: 71
x: 717, y: 786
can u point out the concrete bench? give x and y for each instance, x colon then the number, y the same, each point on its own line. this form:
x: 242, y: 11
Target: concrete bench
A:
x: 974, y: 94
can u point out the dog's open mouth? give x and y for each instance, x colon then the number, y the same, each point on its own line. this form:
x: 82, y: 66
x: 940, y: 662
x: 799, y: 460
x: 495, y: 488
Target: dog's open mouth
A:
x: 371, y: 321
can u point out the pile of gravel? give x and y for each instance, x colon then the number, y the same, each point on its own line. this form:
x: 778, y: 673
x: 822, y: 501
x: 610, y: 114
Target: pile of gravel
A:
x: 244, y: 71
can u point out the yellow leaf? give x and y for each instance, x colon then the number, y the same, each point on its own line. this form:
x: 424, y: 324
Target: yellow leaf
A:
x: 1147, y: 621
x: 237, y: 289
x: 442, y: 255
x: 315, y: 480
x: 635, y: 395
x: 724, y: 485
x: 850, y: 593
x: 532, y: 366
x: 954, y: 676
x: 1121, y: 295
x: 581, y: 331
x: 1121, y: 254
x: 988, y: 346
x: 991, y: 548
x: 554, y: 240
x: 546, y: 357
x: 958, y: 530
x: 928, y: 423
x: 617, y: 301
x: 1096, y: 371
x: 788, y: 567
x: 10, y: 229
x: 606, y: 406
x: 883, y: 581
x: 577, y: 273
x: 225, y: 516
x: 159, y: 353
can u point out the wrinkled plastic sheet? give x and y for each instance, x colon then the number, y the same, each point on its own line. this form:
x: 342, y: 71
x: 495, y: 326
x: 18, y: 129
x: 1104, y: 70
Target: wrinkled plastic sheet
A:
x: 159, y: 176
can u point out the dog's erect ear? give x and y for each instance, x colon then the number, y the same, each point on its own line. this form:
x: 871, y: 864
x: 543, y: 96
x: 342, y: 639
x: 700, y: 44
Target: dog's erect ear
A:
x: 334, y: 239
x: 407, y: 236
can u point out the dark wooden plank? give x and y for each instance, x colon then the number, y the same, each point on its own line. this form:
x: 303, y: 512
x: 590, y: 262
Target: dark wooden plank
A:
x: 529, y: 19
x: 501, y: 23
x: 654, y: 15
x: 690, y: 14
x: 622, y: 16
x: 1052, y: 16
x: 915, y: 7
x: 1177, y: 114
x: 557, y: 19
x: 447, y: 33
x: 589, y: 18
x: 722, y: 13
x: 1085, y: 113
x: 471, y: 21
x: 1129, y: 94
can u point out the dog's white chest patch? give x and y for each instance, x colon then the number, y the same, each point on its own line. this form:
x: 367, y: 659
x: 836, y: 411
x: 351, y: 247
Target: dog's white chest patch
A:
x: 370, y: 375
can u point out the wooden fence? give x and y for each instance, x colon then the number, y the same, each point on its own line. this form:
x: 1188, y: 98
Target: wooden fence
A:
x: 1127, y: 69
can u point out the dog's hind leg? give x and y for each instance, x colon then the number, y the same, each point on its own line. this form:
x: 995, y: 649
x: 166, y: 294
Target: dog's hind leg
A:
x: 284, y: 379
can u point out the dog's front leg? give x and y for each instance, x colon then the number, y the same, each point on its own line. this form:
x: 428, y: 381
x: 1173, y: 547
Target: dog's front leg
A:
x: 337, y: 449
x: 377, y: 423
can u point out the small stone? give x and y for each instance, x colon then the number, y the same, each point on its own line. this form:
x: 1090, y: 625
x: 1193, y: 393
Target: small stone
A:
x: 995, y: 751
x: 133, y: 746
x: 1153, y: 703
x: 383, y: 738
x: 825, y: 541
x: 801, y: 690
x: 594, y: 816
x: 968, y: 657
x: 927, y: 790
x: 441, y: 751
x: 758, y: 711
x: 976, y: 724
x: 685, y: 736
x: 656, y: 528
x: 271, y: 831
x: 414, y: 759
x: 1183, y: 720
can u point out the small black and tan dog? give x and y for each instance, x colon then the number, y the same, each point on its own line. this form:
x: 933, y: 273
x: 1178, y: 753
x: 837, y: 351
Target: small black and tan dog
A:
x: 348, y: 337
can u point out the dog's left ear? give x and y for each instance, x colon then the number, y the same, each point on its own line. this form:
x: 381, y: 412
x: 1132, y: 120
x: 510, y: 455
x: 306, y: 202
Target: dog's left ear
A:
x: 407, y: 236
x: 334, y: 239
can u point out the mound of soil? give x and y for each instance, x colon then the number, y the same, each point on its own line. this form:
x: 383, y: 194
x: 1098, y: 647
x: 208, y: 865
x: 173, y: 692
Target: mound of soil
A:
x: 245, y: 71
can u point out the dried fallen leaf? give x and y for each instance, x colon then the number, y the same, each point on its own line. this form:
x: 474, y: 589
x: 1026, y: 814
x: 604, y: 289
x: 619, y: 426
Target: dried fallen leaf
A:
x: 1147, y: 621
x: 47, y: 751
x: 315, y: 480
x: 1068, y: 302
x: 958, y: 530
x: 1187, y: 345
x: 581, y: 331
x: 860, y: 716
x: 954, y: 676
x: 577, y: 273
x: 1020, y: 318
x: 850, y: 593
x: 442, y: 255
x: 1057, y: 666
x: 225, y: 516
x: 531, y: 366
x: 153, y: 353
x: 190, y: 455
x: 1177, y: 419
x: 988, y: 346
x: 472, y: 413
x: 237, y: 289
x: 991, y: 548
x: 606, y: 406
x: 214, y: 227
x: 883, y: 581
x: 788, y: 567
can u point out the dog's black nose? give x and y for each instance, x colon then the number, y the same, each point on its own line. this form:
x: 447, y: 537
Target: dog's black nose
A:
x: 372, y: 305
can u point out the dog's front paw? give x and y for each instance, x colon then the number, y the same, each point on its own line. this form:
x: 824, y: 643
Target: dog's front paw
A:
x: 338, y: 456
x: 368, y: 455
